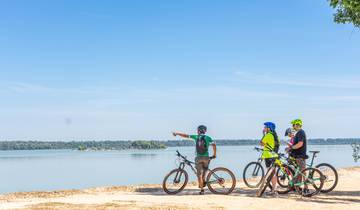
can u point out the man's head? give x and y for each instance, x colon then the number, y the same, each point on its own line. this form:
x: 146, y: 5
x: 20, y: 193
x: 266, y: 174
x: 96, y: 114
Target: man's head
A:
x: 297, y: 124
x: 269, y: 127
x: 201, y: 129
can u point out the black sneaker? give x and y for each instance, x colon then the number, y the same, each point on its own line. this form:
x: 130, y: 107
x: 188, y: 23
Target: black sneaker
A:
x: 306, y: 192
x: 272, y: 193
x: 204, y: 184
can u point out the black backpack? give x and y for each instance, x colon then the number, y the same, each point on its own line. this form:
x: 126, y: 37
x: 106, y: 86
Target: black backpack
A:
x: 277, y: 142
x: 201, y: 147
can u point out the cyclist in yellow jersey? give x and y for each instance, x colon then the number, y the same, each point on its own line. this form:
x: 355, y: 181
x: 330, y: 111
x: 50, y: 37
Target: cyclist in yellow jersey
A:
x: 271, y: 143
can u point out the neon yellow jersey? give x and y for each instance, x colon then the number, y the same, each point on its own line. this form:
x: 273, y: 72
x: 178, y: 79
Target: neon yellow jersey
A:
x: 269, y: 141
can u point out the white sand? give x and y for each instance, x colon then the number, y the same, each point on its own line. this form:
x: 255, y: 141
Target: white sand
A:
x: 345, y: 196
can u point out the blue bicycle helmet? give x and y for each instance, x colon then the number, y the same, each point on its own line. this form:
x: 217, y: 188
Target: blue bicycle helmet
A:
x: 270, y: 125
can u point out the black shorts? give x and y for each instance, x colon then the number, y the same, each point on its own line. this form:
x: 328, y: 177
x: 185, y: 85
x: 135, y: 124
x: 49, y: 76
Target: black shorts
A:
x: 269, y: 162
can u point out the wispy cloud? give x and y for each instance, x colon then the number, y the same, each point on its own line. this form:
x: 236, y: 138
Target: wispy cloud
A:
x: 315, y: 81
x: 18, y: 87
x: 23, y: 87
x: 102, y: 97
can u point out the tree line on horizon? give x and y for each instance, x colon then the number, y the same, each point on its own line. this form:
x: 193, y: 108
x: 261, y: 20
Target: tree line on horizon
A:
x: 147, y: 145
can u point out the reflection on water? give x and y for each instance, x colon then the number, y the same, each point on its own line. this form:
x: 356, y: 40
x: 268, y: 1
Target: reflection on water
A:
x: 142, y: 156
x: 69, y: 169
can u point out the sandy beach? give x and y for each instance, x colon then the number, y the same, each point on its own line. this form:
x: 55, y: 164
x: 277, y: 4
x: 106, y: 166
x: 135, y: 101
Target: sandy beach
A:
x: 345, y: 196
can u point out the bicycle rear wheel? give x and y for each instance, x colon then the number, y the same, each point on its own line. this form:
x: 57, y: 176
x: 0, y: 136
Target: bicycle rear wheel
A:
x: 312, y: 180
x: 330, y: 175
x: 283, y: 180
x: 175, y: 181
x: 221, y: 181
x: 266, y: 182
x: 253, y: 174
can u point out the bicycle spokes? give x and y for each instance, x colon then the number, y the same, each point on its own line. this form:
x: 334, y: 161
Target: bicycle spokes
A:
x: 253, y: 174
x: 329, y: 176
x: 309, y: 182
x: 175, y: 181
x: 221, y: 181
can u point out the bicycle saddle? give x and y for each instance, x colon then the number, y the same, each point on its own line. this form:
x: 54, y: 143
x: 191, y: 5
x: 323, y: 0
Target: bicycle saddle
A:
x: 314, y: 152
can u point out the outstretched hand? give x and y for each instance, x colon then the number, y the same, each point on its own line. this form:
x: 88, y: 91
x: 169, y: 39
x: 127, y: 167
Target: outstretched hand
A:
x: 174, y: 134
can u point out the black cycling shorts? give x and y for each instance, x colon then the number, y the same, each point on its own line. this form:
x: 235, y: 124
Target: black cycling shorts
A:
x: 269, y: 162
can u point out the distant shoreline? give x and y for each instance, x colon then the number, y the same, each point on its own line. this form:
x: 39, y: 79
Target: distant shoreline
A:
x: 145, y: 144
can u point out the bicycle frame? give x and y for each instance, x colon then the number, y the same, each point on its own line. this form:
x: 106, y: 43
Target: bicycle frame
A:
x: 312, y: 160
x: 185, y: 162
x: 292, y: 182
x: 182, y: 165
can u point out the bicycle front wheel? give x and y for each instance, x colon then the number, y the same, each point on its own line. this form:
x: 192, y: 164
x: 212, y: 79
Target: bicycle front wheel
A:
x: 175, y: 181
x: 330, y: 175
x: 221, y: 181
x: 253, y: 174
x: 309, y: 182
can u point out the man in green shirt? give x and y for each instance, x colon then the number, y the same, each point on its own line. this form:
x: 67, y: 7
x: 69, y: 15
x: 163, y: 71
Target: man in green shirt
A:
x: 202, y: 159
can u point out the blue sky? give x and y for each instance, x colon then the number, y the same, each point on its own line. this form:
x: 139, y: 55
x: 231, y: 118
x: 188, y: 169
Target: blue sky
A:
x: 94, y: 70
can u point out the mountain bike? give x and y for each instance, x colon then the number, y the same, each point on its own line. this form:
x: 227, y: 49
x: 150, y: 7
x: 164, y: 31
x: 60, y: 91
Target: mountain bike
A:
x: 329, y: 172
x: 253, y: 173
x: 219, y: 180
x: 310, y: 178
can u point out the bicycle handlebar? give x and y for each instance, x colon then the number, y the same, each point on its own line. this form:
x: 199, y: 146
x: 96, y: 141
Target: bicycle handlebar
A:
x: 179, y: 155
x: 281, y: 154
x: 270, y: 150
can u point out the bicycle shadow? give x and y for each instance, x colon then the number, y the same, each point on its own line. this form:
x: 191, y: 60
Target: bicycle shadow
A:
x: 193, y: 191
x: 344, y: 193
x: 335, y: 197
x: 339, y: 197
x: 158, y: 191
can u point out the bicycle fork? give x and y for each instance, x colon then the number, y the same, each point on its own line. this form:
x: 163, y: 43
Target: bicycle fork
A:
x: 178, y: 175
x: 257, y: 168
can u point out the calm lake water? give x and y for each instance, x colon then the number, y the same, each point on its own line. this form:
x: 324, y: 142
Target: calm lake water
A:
x: 67, y: 169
